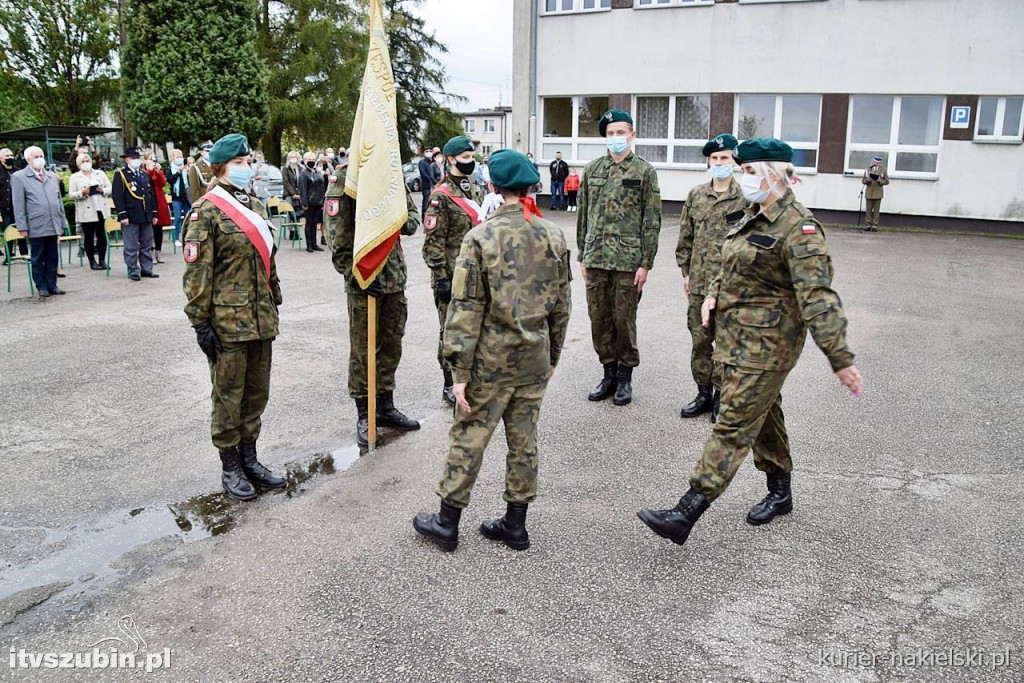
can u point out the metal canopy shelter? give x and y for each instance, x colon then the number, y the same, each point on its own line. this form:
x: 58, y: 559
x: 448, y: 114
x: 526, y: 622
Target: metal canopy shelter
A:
x: 50, y: 135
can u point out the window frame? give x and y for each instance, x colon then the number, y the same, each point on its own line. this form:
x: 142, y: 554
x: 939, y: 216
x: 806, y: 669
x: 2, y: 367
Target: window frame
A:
x: 570, y: 142
x: 577, y: 8
x: 892, y: 149
x: 671, y: 142
x: 777, y: 125
x: 998, y: 123
x: 673, y: 3
x: 488, y: 126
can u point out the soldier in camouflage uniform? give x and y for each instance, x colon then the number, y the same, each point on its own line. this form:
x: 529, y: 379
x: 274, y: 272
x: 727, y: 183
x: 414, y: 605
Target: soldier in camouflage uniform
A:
x: 506, y: 325
x: 453, y: 210
x: 200, y: 175
x: 392, y: 310
x: 233, y: 295
x: 774, y: 286
x: 708, y: 210
x: 617, y: 226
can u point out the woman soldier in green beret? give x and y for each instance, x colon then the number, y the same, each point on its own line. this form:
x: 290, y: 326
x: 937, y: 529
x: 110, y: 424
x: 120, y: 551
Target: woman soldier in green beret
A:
x: 775, y: 284
x: 233, y: 294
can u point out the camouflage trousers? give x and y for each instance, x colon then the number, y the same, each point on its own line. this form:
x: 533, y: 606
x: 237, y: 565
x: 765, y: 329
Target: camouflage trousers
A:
x: 392, y: 311
x: 241, y: 389
x: 519, y: 408
x: 704, y: 370
x: 612, y: 300
x: 750, y: 418
x: 442, y: 315
x: 873, y: 206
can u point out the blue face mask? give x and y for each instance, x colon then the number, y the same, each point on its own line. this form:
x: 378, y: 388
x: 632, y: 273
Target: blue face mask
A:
x: 618, y: 144
x: 135, y: 164
x: 179, y: 162
x: 239, y: 176
x: 721, y: 172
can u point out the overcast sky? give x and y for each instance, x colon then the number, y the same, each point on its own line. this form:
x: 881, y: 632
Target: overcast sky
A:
x: 478, y: 35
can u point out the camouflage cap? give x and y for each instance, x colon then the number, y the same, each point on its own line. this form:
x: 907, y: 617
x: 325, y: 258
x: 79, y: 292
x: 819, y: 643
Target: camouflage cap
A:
x: 457, y: 145
x: 763, y: 149
x: 512, y: 170
x: 611, y: 116
x: 718, y: 143
x: 228, y: 147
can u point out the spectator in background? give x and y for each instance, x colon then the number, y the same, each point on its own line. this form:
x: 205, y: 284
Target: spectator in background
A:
x: 89, y: 187
x: 135, y: 203
x: 572, y: 188
x: 261, y: 178
x: 7, y: 201
x: 483, y: 174
x: 199, y: 173
x: 429, y: 175
x: 312, y: 188
x: 163, y: 212
x: 290, y: 178
x: 39, y: 215
x: 83, y: 145
x: 439, y: 160
x: 536, y: 188
x: 559, y: 172
x: 180, y: 199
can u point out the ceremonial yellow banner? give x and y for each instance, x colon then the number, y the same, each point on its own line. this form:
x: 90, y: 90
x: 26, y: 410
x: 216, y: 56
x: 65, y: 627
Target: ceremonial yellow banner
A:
x: 375, y: 179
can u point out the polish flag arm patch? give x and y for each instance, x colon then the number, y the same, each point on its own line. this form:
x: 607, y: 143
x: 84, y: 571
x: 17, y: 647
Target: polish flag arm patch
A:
x: 810, y: 228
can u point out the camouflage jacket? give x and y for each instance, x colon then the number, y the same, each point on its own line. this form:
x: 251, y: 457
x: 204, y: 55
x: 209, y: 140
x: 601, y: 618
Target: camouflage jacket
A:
x: 445, y: 224
x: 340, y: 221
x: 510, y: 301
x: 199, y: 177
x: 775, y: 284
x: 225, y: 282
x: 619, y: 214
x: 702, y: 227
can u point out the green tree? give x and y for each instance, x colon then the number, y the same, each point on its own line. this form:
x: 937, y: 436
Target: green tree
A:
x: 419, y: 76
x: 443, y: 125
x: 191, y: 70
x: 17, y: 106
x: 63, y: 50
x: 314, y: 51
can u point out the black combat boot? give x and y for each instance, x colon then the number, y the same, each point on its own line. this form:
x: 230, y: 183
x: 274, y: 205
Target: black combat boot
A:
x: 700, y: 405
x: 446, y: 393
x: 363, y: 422
x: 716, y: 403
x: 389, y: 416
x: 441, y: 529
x: 510, y: 529
x: 624, y: 390
x: 233, y: 477
x: 675, y: 524
x: 606, y: 387
x: 254, y: 470
x: 779, y: 500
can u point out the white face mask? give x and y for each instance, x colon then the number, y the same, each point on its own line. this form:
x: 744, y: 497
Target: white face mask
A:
x: 38, y: 163
x: 85, y: 166
x: 750, y: 184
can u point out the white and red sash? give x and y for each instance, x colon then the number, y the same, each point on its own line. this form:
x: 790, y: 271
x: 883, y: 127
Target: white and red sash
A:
x: 471, y: 208
x: 251, y: 223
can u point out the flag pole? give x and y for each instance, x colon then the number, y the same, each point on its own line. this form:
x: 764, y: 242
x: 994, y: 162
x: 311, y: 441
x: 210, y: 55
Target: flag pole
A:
x: 371, y: 369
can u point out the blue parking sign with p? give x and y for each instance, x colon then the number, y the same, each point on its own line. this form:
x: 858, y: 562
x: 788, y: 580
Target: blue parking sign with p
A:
x: 959, y: 117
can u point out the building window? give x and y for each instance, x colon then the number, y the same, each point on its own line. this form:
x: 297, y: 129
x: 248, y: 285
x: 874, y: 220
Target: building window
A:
x: 793, y: 118
x: 485, y: 150
x: 905, y: 131
x: 672, y: 129
x: 999, y: 119
x: 570, y: 126
x: 488, y: 125
x: 644, y: 4
x: 469, y: 125
x: 566, y: 6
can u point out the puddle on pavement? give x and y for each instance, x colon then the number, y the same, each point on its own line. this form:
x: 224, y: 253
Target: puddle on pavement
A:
x: 86, y: 553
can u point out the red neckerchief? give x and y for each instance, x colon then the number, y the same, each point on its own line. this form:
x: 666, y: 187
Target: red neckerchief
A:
x: 530, y: 208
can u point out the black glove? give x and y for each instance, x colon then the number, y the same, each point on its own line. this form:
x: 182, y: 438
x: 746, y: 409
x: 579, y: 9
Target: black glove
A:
x: 443, y: 290
x: 373, y: 289
x: 208, y: 341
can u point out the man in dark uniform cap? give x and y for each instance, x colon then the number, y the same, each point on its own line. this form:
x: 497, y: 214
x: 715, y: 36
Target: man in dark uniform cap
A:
x: 135, y: 203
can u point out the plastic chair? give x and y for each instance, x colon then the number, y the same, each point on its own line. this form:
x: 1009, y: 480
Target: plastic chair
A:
x: 11, y: 235
x: 71, y: 239
x: 286, y: 219
x: 112, y: 228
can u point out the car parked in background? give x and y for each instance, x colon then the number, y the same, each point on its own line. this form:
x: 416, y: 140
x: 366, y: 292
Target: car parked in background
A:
x: 412, y: 176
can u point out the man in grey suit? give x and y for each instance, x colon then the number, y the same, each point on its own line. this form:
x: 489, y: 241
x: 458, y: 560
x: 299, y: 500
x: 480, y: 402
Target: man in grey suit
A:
x: 39, y: 215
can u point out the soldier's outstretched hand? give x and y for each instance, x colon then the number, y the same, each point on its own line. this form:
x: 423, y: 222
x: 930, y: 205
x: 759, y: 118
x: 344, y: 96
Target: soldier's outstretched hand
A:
x: 851, y: 379
x: 705, y: 311
x: 459, y: 389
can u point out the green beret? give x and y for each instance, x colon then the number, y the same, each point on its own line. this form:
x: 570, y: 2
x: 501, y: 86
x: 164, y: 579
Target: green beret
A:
x: 511, y: 170
x: 718, y: 143
x: 457, y: 145
x: 763, y: 149
x: 611, y: 116
x: 228, y: 147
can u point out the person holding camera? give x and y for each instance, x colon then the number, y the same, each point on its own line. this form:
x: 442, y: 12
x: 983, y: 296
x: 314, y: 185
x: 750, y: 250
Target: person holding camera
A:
x: 163, y: 213
x: 83, y: 145
x: 875, y: 178
x: 90, y: 187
